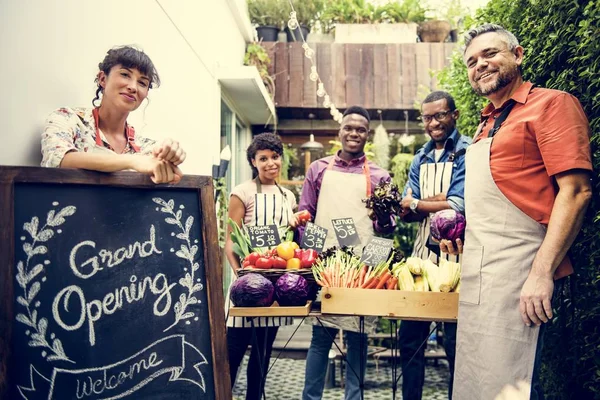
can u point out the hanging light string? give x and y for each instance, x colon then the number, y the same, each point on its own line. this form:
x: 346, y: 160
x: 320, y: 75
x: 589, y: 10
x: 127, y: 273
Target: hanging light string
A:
x: 314, y: 75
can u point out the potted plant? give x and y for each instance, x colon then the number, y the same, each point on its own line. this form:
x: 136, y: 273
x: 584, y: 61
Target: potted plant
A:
x: 257, y: 56
x: 434, y: 31
x: 360, y: 22
x: 268, y: 16
x: 306, y: 14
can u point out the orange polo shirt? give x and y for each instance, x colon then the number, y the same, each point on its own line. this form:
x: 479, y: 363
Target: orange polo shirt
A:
x: 545, y: 133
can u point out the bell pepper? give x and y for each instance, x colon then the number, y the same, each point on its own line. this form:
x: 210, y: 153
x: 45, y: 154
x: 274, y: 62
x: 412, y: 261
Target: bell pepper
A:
x: 279, y: 263
x: 285, y: 250
x: 309, y: 256
x: 298, y: 253
x: 246, y: 263
x: 295, y: 246
x: 264, y: 263
x: 293, y: 263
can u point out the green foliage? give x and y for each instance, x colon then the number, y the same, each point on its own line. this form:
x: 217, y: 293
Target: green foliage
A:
x: 363, y: 12
x: 400, y: 167
x: 289, y: 157
x: 268, y: 12
x: 403, y: 11
x: 257, y: 56
x: 562, y: 51
x: 307, y: 11
x: 222, y: 204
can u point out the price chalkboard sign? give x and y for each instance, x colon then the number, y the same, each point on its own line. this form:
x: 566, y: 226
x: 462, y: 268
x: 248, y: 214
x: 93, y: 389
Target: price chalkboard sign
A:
x: 345, y: 231
x: 110, y: 287
x: 314, y: 237
x: 376, y: 251
x: 264, y: 235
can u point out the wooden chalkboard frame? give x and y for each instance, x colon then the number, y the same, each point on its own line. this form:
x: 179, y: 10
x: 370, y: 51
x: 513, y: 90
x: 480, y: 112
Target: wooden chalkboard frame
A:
x: 9, y: 176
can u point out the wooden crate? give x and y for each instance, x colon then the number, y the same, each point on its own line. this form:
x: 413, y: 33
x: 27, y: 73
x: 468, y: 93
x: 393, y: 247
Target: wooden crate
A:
x: 418, y: 306
x: 275, y: 310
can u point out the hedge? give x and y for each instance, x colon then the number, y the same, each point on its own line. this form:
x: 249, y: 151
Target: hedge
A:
x: 562, y: 51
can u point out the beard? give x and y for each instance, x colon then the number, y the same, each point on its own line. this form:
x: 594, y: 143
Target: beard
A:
x: 505, y: 77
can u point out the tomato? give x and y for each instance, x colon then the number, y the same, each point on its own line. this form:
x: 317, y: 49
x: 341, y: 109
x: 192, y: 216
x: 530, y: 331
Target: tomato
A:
x: 285, y: 250
x: 279, y: 263
x: 264, y: 263
x: 252, y: 257
x: 304, y: 216
x: 246, y: 262
x: 293, y: 263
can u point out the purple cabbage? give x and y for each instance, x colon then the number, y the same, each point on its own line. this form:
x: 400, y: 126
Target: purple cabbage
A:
x: 291, y: 290
x: 252, y: 290
x: 448, y: 224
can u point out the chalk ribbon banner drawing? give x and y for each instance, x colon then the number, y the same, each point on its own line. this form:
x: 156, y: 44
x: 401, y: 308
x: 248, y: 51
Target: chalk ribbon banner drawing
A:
x: 111, y: 287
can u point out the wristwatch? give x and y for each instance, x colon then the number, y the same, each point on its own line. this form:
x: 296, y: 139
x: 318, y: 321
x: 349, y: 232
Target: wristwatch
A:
x: 413, y: 205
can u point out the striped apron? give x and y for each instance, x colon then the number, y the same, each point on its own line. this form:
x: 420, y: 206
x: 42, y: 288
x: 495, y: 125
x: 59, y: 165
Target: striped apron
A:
x: 434, y: 178
x: 269, y: 209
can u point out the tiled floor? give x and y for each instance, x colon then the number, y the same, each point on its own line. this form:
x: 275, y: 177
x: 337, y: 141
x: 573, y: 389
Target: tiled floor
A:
x: 286, y: 380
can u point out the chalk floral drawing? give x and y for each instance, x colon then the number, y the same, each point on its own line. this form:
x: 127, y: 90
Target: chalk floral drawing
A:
x: 188, y: 252
x: 28, y: 278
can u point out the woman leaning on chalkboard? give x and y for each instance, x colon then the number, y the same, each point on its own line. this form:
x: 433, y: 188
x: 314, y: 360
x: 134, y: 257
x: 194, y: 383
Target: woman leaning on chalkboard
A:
x: 99, y: 138
x: 260, y: 201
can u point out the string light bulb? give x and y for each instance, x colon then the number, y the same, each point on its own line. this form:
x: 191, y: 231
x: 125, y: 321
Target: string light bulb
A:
x: 313, y: 76
x: 308, y: 52
x: 321, y: 90
x: 293, y: 22
x: 326, y: 101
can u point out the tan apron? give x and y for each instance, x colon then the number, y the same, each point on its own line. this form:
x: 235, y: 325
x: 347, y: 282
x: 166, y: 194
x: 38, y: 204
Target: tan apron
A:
x: 269, y: 209
x: 341, y: 196
x: 494, y: 346
x: 434, y: 178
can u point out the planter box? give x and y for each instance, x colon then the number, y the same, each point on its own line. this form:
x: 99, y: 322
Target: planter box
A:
x: 418, y: 306
x: 274, y: 311
x: 376, y: 33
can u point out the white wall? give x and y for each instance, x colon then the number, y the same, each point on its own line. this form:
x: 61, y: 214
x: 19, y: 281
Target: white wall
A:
x: 51, y: 49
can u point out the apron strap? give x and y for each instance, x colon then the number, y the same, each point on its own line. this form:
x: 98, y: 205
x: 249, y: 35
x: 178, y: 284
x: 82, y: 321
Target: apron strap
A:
x: 501, y: 118
x: 366, y: 172
x: 130, y: 133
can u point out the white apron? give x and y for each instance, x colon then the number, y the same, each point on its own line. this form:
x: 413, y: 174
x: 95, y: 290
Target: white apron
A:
x: 494, y: 346
x: 434, y: 178
x: 269, y: 209
x: 341, y: 196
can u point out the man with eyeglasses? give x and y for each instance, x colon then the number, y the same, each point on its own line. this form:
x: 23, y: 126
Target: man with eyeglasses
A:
x: 435, y: 183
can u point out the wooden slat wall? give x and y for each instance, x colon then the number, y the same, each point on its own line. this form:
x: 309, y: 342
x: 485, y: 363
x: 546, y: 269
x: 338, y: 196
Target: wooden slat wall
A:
x: 384, y: 76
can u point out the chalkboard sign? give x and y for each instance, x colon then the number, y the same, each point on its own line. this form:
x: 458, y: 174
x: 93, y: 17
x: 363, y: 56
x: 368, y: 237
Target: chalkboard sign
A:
x: 345, y: 231
x: 314, y: 237
x: 115, y: 287
x: 264, y: 235
x: 376, y: 251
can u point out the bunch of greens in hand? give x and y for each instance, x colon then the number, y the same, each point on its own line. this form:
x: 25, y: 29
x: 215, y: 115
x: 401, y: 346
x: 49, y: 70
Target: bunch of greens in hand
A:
x: 385, y: 200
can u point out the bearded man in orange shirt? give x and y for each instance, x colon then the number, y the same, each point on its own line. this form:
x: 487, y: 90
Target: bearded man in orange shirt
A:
x: 527, y: 187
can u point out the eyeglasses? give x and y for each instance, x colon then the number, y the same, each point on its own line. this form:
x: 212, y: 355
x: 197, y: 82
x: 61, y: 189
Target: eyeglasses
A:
x: 439, y: 116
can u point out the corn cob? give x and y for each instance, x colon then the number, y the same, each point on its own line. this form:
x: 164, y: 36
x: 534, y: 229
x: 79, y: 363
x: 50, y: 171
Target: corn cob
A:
x: 421, y: 284
x: 415, y: 265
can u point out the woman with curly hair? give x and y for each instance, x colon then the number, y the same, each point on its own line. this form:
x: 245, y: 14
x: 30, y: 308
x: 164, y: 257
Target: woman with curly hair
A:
x: 100, y: 138
x: 260, y: 201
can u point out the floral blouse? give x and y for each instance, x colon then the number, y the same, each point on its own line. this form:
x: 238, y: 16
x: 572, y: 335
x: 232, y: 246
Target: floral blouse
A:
x: 74, y: 129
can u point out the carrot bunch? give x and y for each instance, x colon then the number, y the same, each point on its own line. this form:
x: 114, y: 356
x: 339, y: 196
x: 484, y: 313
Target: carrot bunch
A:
x: 342, y: 269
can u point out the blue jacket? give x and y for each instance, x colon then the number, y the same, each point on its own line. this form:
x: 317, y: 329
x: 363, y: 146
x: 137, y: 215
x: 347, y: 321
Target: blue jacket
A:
x: 426, y: 154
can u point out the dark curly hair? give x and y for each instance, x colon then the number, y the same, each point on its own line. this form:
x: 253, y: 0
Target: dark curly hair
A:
x: 263, y: 141
x: 128, y: 57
